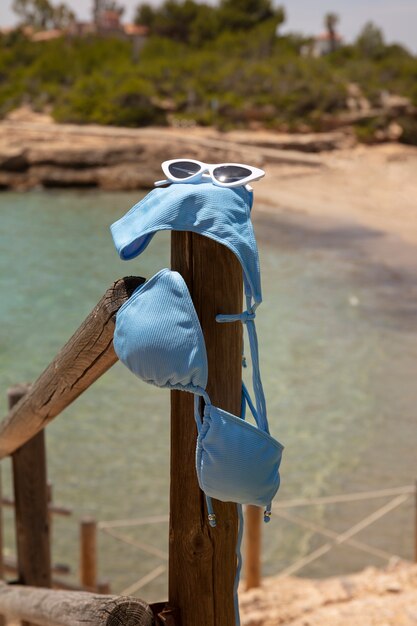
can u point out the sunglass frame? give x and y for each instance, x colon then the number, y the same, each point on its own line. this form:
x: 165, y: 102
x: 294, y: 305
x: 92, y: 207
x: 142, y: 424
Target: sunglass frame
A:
x: 256, y: 172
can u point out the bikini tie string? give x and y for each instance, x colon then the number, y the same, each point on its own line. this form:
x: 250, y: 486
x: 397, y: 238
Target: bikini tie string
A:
x: 211, y: 514
x: 260, y: 412
x: 267, y: 513
x: 244, y: 317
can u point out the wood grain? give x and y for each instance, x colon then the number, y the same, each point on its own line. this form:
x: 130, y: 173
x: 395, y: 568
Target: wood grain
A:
x: 88, y: 553
x: 47, y: 607
x: 253, y: 538
x: 202, y: 560
x: 31, y: 507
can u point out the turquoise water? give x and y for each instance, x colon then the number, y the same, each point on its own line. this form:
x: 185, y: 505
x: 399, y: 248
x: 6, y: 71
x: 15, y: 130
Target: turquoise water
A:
x: 338, y: 338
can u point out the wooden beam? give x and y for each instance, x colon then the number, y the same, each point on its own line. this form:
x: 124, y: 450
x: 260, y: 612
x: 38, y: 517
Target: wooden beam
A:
x: 415, y: 523
x: 31, y: 507
x: 202, y: 560
x: 2, y: 564
x: 84, y: 358
x: 52, y: 508
x: 47, y: 607
x: 10, y: 566
x: 88, y: 553
x: 2, y: 558
x: 253, y: 517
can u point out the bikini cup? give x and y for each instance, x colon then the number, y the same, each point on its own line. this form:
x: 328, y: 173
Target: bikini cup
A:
x: 235, y: 460
x: 159, y: 338
x: 158, y: 335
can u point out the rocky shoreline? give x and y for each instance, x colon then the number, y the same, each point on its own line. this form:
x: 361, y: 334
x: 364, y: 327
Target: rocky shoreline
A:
x: 35, y: 152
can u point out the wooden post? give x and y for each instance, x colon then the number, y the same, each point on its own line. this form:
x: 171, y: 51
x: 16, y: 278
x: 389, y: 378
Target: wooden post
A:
x: 415, y: 522
x: 202, y: 560
x: 50, y: 493
x: 253, y: 546
x: 88, y: 556
x: 2, y: 564
x: 1, y: 531
x: 103, y: 587
x: 31, y: 506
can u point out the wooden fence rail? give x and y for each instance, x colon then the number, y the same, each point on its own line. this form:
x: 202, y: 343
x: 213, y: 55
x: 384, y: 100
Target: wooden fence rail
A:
x: 54, y: 509
x: 84, y: 358
x: 47, y: 607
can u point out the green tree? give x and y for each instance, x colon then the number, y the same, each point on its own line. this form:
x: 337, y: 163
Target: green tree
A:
x: 245, y: 14
x: 42, y: 14
x: 177, y: 19
x: 205, y: 25
x: 192, y: 22
x: 370, y: 41
x: 36, y: 13
x: 145, y: 15
x: 331, y: 20
x: 62, y: 16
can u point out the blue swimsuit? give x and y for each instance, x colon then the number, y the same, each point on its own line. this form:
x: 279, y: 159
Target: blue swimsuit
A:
x: 159, y: 338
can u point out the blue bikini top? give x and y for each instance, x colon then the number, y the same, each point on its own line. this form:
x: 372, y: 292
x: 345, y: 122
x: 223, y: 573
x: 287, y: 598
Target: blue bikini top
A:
x: 158, y: 335
x: 223, y: 214
x: 159, y: 338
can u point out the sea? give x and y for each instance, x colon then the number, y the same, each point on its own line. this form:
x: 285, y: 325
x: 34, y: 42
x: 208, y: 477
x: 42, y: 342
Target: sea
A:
x: 338, y: 347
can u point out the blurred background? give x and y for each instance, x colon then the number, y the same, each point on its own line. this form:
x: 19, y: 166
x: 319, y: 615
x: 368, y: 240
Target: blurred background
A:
x: 323, y: 96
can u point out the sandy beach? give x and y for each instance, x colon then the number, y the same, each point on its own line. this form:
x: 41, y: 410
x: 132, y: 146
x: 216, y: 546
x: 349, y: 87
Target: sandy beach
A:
x: 370, y: 598
x: 373, y: 187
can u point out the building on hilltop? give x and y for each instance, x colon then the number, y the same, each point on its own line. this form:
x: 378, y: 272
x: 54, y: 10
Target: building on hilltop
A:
x: 321, y: 45
x: 107, y: 23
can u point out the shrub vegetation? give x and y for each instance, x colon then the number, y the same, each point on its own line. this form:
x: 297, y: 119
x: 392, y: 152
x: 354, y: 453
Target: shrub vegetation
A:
x: 224, y: 65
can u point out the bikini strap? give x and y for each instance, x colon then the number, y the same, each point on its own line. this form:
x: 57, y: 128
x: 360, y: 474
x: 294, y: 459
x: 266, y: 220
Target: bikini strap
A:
x: 248, y: 318
x: 260, y: 414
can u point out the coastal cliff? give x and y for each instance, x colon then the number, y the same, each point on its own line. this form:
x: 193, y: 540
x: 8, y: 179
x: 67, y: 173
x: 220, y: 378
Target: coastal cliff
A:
x: 35, y: 152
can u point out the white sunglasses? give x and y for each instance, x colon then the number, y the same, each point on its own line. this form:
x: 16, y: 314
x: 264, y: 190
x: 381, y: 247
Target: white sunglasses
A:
x: 221, y: 174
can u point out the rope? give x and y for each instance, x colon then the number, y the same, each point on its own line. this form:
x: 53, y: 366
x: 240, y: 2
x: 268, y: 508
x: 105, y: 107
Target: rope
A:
x: 348, y: 497
x: 137, y: 544
x: 386, y: 556
x: 343, y: 537
x: 153, y: 519
x: 143, y: 581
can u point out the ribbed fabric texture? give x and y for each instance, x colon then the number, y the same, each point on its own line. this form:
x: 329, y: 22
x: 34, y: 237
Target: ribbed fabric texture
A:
x: 158, y: 335
x: 219, y: 213
x: 236, y: 461
x: 159, y: 338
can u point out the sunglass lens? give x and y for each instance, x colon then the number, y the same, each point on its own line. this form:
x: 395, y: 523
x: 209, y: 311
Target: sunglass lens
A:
x: 183, y: 169
x: 230, y: 173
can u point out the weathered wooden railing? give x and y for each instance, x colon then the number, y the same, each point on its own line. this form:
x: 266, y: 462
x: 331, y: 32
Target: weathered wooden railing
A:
x: 46, y: 607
